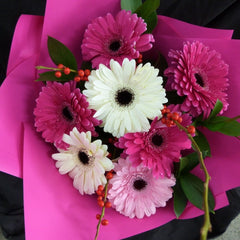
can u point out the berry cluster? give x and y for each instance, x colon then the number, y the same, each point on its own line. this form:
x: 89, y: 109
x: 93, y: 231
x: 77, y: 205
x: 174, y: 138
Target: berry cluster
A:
x: 102, y: 199
x: 170, y: 119
x: 82, y: 75
x: 62, y: 69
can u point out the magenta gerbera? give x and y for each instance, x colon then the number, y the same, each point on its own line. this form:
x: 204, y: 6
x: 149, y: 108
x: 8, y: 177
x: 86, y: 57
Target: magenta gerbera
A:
x: 158, y: 148
x: 108, y: 38
x: 60, y: 108
x: 134, y: 192
x: 199, y: 74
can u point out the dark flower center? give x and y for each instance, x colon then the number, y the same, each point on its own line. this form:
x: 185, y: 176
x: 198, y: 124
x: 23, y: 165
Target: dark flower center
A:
x: 83, y: 157
x: 139, y: 184
x: 67, y: 114
x: 199, y: 79
x: 124, y: 97
x: 157, y: 140
x: 114, y: 46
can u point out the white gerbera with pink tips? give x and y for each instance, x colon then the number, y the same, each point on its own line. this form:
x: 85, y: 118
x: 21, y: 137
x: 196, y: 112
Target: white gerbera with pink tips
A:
x: 84, y: 161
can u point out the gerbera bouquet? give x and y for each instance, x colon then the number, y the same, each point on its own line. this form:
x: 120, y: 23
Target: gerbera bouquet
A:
x: 128, y: 126
x: 130, y: 118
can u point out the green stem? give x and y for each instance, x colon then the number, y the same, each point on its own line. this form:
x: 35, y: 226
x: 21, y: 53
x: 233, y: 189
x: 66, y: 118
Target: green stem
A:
x: 234, y: 118
x: 207, y: 224
x: 54, y: 69
x: 103, y: 212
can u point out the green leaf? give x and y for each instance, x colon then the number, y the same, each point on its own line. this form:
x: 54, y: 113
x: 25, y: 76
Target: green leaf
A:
x: 203, y: 144
x: 217, y: 108
x: 188, y: 162
x: 59, y: 53
x: 225, y: 125
x: 50, y: 76
x: 147, y: 8
x: 131, y: 5
x: 179, y: 199
x: 147, y: 11
x: 151, y: 21
x: 193, y: 188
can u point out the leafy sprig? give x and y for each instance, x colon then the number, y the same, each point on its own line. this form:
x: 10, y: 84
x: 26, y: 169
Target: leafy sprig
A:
x: 146, y: 10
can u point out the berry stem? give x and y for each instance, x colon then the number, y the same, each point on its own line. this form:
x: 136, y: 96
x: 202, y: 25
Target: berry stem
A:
x: 206, y: 227
x: 54, y: 69
x: 103, y: 211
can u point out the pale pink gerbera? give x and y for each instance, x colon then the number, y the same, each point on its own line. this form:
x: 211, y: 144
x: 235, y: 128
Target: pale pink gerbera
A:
x: 116, y: 38
x: 199, y: 74
x: 134, y: 192
x: 60, y: 108
x: 158, y: 148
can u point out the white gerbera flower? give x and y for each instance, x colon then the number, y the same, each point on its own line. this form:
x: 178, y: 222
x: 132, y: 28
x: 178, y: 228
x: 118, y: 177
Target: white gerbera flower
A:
x: 84, y: 161
x: 126, y: 96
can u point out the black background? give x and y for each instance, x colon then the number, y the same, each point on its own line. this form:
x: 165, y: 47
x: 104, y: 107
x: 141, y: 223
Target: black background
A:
x: 210, y: 13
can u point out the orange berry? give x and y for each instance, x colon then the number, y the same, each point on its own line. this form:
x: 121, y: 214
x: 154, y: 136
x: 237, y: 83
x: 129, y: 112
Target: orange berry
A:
x: 87, y: 72
x: 98, y: 216
x: 85, y: 78
x: 77, y: 79
x: 60, y: 66
x: 81, y: 73
x: 99, y: 192
x: 101, y: 203
x: 100, y: 198
x: 175, y: 116
x: 168, y: 122
x: 109, y: 175
x: 108, y: 204
x: 67, y: 70
x: 180, y: 120
x: 58, y: 74
x: 104, y: 222
x: 191, y: 129
x: 100, y: 187
x: 163, y: 120
x: 167, y: 110
x: 169, y: 115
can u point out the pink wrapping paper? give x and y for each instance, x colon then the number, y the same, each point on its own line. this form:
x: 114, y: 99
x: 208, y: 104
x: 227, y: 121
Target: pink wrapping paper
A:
x: 18, y: 92
x: 53, y: 208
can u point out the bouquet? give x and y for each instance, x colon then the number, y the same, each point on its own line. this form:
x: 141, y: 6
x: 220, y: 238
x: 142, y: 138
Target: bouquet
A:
x: 130, y: 126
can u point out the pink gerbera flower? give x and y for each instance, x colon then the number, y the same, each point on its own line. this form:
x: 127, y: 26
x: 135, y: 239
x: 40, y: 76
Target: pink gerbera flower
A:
x: 116, y: 38
x: 158, y: 148
x: 135, y: 192
x: 60, y: 108
x: 199, y: 74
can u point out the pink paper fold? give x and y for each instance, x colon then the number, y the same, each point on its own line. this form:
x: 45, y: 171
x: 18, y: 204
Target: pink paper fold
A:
x: 53, y: 208
x: 50, y: 198
x: 176, y: 28
x: 18, y: 92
